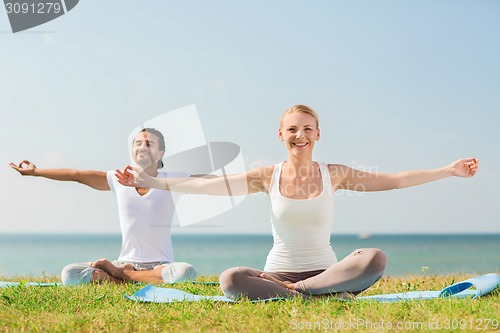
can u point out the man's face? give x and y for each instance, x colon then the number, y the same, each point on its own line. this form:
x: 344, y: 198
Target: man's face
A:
x: 146, y: 150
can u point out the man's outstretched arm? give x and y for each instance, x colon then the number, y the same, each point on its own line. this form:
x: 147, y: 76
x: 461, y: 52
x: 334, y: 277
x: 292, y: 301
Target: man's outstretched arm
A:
x: 92, y: 178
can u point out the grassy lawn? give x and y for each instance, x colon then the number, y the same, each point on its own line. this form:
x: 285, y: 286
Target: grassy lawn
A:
x: 103, y: 308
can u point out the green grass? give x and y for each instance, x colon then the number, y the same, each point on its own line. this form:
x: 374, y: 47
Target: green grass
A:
x: 103, y: 308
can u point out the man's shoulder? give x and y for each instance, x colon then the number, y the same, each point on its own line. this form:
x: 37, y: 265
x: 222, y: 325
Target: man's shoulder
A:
x: 110, y: 177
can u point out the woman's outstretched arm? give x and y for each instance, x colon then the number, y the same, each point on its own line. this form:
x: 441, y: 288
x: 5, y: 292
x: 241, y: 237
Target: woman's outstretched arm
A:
x: 237, y: 184
x: 347, y: 178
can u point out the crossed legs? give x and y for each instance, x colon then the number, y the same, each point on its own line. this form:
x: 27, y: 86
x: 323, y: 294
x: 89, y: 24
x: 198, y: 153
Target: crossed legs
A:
x: 355, y: 273
x: 104, y: 270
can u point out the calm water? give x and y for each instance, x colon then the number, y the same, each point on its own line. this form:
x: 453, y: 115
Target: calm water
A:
x: 34, y: 255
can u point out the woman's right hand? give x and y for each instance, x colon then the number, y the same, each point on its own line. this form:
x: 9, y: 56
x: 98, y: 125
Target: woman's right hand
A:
x: 137, y: 177
x: 127, y: 177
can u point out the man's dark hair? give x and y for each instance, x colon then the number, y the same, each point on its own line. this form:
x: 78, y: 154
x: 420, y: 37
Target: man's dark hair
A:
x: 161, y: 142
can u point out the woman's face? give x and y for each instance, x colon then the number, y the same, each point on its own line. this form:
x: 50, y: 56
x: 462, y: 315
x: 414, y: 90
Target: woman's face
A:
x: 299, y: 133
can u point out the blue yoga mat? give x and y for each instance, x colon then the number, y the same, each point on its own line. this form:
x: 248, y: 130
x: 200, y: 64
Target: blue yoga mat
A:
x: 5, y: 284
x: 483, y: 285
x: 154, y: 294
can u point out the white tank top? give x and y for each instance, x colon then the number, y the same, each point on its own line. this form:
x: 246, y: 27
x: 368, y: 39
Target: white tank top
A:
x: 145, y: 221
x: 301, y: 228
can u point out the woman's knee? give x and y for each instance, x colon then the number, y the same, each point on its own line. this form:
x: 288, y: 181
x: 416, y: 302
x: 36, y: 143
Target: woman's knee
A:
x: 233, y: 279
x: 373, y: 260
x: 378, y: 261
x: 229, y: 277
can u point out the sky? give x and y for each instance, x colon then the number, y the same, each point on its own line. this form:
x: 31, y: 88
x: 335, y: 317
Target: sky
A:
x: 398, y: 85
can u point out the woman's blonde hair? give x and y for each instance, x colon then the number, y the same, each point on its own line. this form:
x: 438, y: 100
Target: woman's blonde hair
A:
x: 300, y: 108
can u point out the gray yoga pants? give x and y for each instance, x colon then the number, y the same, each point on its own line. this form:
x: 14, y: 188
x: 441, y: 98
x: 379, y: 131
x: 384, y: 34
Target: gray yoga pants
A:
x: 81, y: 273
x: 355, y: 273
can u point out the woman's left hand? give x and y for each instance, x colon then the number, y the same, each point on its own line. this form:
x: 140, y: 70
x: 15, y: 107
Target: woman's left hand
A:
x: 466, y: 167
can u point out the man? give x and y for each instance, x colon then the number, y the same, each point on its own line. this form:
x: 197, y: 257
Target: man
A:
x: 145, y: 219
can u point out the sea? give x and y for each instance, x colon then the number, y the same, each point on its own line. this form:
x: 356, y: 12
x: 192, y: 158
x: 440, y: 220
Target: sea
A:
x: 35, y: 255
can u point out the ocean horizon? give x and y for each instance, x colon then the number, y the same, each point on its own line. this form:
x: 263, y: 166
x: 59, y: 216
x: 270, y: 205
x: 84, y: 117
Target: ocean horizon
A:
x: 35, y: 255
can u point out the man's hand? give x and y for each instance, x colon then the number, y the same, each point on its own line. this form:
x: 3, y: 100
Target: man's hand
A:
x: 25, y: 168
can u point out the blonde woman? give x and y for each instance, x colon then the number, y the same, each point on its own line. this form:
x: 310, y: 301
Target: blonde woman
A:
x: 301, y: 262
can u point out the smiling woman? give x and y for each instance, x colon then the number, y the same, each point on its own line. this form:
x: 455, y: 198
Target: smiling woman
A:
x: 302, y: 262
x: 299, y: 129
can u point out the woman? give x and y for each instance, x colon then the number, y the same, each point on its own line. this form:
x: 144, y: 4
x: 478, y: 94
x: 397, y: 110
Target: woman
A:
x: 302, y: 262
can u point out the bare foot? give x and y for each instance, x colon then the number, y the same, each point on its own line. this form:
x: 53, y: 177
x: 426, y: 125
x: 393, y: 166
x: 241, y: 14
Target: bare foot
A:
x: 271, y: 278
x: 291, y: 286
x: 101, y: 276
x: 119, y: 272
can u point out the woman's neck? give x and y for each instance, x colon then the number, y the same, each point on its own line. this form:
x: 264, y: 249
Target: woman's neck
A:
x: 299, y: 167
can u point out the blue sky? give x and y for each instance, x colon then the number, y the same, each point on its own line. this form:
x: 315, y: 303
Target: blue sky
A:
x: 398, y: 85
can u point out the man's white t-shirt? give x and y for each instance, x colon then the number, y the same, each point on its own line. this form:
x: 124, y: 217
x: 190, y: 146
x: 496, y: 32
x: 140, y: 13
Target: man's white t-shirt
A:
x: 146, y: 220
